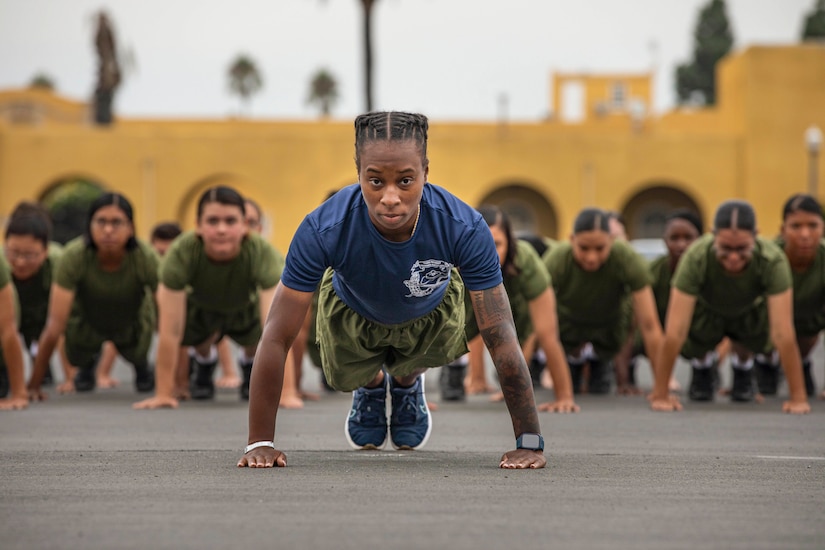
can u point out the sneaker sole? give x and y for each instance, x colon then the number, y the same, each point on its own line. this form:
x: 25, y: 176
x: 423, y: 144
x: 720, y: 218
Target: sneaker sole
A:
x: 429, y: 424
x: 356, y: 446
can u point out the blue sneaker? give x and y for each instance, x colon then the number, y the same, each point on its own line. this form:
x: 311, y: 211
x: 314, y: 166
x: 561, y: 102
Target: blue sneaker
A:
x: 410, y: 421
x: 366, y: 426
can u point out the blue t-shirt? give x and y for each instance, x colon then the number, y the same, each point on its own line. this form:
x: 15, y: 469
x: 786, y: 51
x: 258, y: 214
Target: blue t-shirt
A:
x: 384, y: 281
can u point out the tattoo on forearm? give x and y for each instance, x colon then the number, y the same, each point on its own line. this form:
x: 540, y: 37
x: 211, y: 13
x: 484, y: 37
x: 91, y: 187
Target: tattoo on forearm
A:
x: 491, y: 306
x: 518, y: 390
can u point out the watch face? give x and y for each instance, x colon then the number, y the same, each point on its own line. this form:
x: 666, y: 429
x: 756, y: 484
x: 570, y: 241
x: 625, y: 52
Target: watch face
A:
x: 530, y: 441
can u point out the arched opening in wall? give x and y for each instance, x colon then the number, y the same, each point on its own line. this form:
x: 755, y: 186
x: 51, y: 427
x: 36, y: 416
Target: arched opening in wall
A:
x: 188, y: 208
x: 646, y: 211
x: 68, y: 201
x: 529, y: 211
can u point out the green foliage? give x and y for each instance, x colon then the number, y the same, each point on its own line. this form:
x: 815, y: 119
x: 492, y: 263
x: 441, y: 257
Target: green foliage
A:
x: 42, y: 81
x: 244, y: 77
x: 713, y: 39
x: 323, y: 91
x: 68, y: 203
x: 814, y: 28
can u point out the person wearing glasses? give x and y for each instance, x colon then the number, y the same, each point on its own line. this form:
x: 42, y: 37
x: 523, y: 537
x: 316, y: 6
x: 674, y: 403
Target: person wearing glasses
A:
x: 11, y: 358
x: 32, y: 257
x: 102, y: 291
x: 731, y: 283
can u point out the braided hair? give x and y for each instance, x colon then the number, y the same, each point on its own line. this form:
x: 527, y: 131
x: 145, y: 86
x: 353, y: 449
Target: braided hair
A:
x: 735, y: 214
x: 390, y: 126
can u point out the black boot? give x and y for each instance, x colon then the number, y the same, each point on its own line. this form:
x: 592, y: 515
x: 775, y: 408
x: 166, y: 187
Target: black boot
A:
x: 537, y: 366
x: 600, y: 377
x: 451, y: 382
x: 767, y: 377
x: 144, y: 378
x: 808, y: 375
x: 84, y: 379
x: 202, y: 383
x: 576, y: 376
x: 246, y: 373
x: 631, y: 372
x: 742, y: 388
x: 701, y: 384
x: 4, y: 382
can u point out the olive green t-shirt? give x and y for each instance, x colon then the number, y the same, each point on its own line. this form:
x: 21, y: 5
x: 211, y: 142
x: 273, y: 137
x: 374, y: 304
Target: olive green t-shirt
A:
x: 108, y: 300
x: 595, y: 298
x: 662, y: 276
x: 5, y: 278
x: 34, y: 294
x: 531, y: 281
x: 809, y: 293
x: 700, y: 274
x: 221, y: 287
x: 525, y: 287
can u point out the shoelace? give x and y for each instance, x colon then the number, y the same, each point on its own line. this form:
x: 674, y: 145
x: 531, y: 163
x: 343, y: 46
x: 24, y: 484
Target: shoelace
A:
x: 368, y: 409
x: 407, y: 412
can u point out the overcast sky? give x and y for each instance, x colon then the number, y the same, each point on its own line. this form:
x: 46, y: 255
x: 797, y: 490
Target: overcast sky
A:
x: 449, y: 59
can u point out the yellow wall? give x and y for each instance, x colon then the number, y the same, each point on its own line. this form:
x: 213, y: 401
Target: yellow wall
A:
x: 749, y: 146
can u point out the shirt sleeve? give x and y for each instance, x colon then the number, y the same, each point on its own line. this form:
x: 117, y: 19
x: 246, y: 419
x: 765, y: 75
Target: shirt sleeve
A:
x: 268, y: 264
x: 173, y: 268
x: 534, y: 276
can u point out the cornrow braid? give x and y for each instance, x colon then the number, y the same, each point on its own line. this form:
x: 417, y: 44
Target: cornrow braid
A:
x: 735, y: 214
x: 591, y: 219
x: 390, y: 126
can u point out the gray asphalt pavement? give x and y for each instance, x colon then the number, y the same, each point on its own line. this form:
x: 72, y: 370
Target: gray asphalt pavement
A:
x: 89, y: 472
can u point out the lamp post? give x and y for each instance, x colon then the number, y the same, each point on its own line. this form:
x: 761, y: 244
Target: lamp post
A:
x: 813, y: 139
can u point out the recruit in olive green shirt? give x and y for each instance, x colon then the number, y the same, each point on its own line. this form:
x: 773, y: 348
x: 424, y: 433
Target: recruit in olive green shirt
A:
x: 700, y: 274
x: 595, y: 298
x: 221, y: 287
x: 109, y: 301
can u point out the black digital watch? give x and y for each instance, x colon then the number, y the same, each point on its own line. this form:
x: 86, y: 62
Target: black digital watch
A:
x: 533, y: 442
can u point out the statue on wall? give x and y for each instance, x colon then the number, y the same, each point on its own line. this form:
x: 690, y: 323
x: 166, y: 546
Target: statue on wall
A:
x: 108, y: 72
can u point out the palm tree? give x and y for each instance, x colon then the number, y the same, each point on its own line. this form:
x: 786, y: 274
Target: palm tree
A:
x: 42, y: 81
x: 244, y: 78
x: 323, y: 91
x: 368, y: 4
x: 367, y: 12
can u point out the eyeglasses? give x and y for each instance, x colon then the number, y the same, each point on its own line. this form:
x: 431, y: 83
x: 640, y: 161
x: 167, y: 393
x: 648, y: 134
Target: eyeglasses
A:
x: 14, y: 255
x: 115, y: 223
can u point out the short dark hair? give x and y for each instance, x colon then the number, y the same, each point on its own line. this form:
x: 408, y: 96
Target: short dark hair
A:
x: 255, y: 205
x: 536, y: 241
x: 110, y: 199
x: 801, y: 202
x: 223, y: 195
x: 493, y: 215
x: 735, y: 214
x: 390, y: 126
x: 166, y: 231
x: 687, y: 215
x: 591, y: 219
x: 32, y: 219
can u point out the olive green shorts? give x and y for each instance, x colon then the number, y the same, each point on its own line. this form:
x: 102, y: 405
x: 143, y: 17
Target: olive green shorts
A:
x: 242, y: 325
x: 354, y: 349
x: 809, y: 326
x: 606, y: 339
x: 707, y: 329
x: 83, y: 341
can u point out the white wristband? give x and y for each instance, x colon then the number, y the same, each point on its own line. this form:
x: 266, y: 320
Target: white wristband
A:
x: 258, y: 444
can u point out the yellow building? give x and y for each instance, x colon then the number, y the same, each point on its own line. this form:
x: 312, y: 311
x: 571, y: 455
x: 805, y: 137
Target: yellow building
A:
x: 601, y: 147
